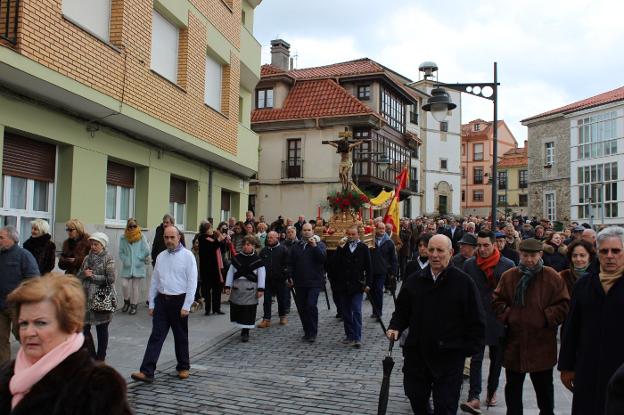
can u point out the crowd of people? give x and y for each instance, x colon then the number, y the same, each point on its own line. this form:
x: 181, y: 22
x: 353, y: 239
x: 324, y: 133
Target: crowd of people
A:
x: 465, y: 286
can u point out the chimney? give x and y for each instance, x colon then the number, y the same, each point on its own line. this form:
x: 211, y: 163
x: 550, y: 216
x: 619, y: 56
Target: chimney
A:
x: 280, y: 54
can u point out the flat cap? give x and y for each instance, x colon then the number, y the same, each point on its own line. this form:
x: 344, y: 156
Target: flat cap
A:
x: 500, y: 234
x: 578, y: 229
x: 531, y: 245
x: 468, y: 239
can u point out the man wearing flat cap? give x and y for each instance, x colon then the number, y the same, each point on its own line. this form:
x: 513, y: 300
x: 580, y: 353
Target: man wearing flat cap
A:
x: 467, y: 246
x: 505, y: 249
x: 532, y: 301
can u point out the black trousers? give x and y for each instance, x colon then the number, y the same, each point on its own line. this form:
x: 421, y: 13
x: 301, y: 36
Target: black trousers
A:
x: 419, y: 382
x: 167, y: 316
x: 212, y: 297
x: 544, y: 391
x: 476, y: 367
x: 102, y: 340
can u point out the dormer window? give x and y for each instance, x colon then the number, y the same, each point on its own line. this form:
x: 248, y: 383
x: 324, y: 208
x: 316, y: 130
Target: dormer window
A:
x: 264, y: 98
x: 363, y: 92
x: 477, y: 127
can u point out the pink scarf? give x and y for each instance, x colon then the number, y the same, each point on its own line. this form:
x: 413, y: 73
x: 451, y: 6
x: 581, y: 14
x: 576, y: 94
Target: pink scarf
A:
x: 27, y: 374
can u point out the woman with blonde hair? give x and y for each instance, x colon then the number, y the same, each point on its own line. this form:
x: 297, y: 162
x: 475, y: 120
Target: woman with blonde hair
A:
x: 41, y: 246
x: 97, y: 273
x: 134, y: 253
x: 75, y: 248
x: 53, y: 373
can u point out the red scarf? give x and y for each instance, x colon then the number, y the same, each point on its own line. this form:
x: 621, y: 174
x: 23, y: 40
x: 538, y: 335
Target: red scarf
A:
x: 487, y: 265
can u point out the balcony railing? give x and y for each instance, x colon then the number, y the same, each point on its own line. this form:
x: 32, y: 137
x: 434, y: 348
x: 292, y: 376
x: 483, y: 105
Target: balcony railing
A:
x: 413, y: 185
x: 8, y: 20
x: 292, y: 169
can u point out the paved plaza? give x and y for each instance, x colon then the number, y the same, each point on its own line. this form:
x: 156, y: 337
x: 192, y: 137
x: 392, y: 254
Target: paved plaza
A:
x: 276, y: 372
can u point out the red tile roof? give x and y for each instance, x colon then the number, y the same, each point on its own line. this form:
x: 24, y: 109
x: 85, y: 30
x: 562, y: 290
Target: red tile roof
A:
x: 516, y: 157
x: 600, y: 99
x: 467, y: 130
x: 363, y: 66
x: 313, y: 99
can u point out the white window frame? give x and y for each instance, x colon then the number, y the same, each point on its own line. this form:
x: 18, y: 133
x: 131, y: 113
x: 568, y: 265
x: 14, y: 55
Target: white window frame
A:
x: 93, y: 16
x: 117, y: 220
x: 28, y: 212
x: 549, y: 153
x: 264, y: 93
x: 551, y: 216
x: 210, y: 98
x: 474, y: 152
x: 163, y: 66
x: 173, y: 207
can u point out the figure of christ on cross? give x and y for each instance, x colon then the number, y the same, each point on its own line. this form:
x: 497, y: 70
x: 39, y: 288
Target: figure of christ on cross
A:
x: 344, y: 147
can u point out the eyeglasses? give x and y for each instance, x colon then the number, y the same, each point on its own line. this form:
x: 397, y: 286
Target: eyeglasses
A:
x: 605, y: 251
x: 131, y: 226
x: 70, y: 229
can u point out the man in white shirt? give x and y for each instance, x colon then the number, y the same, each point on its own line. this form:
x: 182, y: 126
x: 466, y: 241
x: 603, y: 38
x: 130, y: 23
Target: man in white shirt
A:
x: 171, y: 294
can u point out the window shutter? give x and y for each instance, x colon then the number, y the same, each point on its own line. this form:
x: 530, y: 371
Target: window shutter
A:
x: 177, y: 190
x: 225, y: 200
x: 119, y: 175
x: 28, y: 158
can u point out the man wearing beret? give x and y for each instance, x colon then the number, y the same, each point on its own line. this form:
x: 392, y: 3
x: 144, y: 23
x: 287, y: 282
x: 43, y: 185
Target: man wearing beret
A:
x: 505, y: 249
x: 532, y: 301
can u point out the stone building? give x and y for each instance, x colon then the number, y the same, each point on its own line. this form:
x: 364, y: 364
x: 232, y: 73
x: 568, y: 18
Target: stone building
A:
x: 575, y: 160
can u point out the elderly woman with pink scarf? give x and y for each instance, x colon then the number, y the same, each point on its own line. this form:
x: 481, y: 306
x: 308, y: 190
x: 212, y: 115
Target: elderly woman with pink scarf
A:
x: 53, y: 373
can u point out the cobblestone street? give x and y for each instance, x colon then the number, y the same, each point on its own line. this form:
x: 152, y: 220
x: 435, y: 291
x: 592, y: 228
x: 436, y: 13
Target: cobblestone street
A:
x: 278, y: 373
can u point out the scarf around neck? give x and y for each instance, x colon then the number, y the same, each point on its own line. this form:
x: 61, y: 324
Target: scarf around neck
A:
x: 608, y: 279
x: 133, y: 235
x: 527, y: 276
x: 27, y: 374
x: 488, y: 264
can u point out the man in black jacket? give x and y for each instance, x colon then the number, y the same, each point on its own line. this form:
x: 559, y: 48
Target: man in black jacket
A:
x: 384, y: 257
x: 440, y: 305
x: 455, y: 233
x: 506, y: 250
x: 354, y: 270
x: 275, y: 258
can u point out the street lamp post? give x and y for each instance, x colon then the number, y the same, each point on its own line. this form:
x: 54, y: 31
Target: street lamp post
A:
x: 439, y: 104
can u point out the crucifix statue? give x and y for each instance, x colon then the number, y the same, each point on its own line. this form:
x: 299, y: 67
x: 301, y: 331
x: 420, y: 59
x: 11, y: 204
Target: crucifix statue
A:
x: 343, y: 147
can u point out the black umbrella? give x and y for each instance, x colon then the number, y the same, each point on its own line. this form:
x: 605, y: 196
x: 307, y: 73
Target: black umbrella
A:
x: 376, y: 312
x: 388, y: 364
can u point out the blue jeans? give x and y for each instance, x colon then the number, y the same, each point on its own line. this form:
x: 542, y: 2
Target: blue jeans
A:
x: 351, y: 306
x: 280, y: 291
x: 307, y: 298
x: 167, y: 316
x: 377, y: 292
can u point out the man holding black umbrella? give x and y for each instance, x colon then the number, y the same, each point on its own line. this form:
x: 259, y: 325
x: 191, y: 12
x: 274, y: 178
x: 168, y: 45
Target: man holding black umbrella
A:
x: 441, y: 307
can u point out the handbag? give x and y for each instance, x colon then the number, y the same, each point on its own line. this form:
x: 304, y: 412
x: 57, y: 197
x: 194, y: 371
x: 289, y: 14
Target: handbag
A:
x: 105, y: 299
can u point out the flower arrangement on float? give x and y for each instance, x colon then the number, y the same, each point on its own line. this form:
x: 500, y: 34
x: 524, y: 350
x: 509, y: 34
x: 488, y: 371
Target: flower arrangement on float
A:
x: 347, y: 201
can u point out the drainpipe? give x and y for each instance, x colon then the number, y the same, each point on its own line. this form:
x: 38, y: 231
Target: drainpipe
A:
x: 210, y: 192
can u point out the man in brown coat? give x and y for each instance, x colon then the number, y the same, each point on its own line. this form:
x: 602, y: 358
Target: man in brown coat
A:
x: 531, y: 300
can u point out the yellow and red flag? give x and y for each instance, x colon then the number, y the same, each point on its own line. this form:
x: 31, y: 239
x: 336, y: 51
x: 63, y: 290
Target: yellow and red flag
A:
x: 392, y: 215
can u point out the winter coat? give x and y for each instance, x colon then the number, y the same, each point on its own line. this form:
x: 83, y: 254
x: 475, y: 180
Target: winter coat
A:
x: 209, y: 271
x: 511, y: 254
x: 133, y: 257
x: 531, y: 341
x: 494, y: 329
x: 555, y: 257
x: 615, y: 394
x: 44, y: 251
x: 16, y: 264
x: 77, y: 249
x: 458, y: 260
x: 445, y: 318
x: 77, y: 386
x: 592, y: 344
x: 103, y: 267
x: 275, y: 260
x: 308, y: 265
x: 353, y: 269
x: 406, y: 243
x: 455, y: 238
x: 384, y: 257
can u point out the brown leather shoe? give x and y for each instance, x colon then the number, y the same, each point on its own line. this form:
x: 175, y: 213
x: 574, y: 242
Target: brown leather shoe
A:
x: 283, y: 321
x: 142, y: 377
x: 473, y: 406
x: 264, y: 324
x: 183, y: 374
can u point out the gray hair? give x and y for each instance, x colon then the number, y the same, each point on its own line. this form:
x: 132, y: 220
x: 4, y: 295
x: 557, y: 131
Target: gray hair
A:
x: 41, y: 225
x: 289, y: 227
x: 168, y: 217
x: 11, y: 232
x: 610, y: 232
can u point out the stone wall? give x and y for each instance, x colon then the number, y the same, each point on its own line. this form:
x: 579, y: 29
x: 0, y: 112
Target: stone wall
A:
x: 554, y: 178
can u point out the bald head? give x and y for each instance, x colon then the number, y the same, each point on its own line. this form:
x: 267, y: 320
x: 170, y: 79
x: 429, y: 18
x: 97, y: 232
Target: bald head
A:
x: 172, y: 237
x: 272, y: 238
x: 589, y: 235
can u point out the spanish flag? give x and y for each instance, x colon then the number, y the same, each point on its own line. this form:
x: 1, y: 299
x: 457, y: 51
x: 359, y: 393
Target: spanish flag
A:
x: 392, y: 215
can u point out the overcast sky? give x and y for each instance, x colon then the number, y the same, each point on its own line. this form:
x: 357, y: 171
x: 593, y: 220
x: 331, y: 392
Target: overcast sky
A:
x: 549, y: 52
